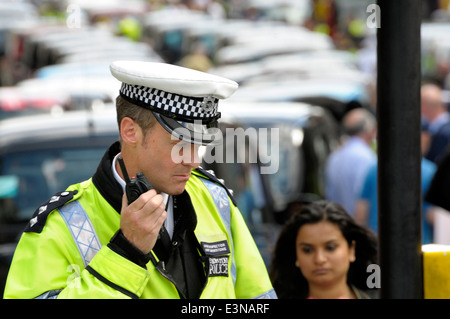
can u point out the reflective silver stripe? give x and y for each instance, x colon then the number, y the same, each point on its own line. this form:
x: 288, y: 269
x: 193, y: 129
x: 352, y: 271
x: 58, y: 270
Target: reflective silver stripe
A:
x: 271, y: 294
x: 52, y: 294
x: 82, y: 231
x: 222, y: 203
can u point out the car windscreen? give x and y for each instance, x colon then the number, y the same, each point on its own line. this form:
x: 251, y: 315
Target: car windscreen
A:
x: 42, y: 173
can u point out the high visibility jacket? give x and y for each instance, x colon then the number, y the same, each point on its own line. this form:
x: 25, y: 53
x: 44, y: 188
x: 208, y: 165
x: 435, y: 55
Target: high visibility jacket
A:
x: 68, y: 257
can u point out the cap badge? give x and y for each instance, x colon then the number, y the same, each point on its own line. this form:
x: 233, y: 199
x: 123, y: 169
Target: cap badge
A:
x: 208, y: 103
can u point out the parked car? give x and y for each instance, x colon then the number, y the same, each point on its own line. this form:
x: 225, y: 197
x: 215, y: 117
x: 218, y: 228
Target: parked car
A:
x: 90, y: 88
x: 13, y: 15
x: 300, y: 65
x: 43, y: 154
x: 14, y: 101
x: 164, y: 30
x: 281, y: 42
x: 337, y: 95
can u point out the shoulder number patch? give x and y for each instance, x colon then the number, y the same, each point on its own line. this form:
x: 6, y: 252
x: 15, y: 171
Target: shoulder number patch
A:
x: 37, y: 222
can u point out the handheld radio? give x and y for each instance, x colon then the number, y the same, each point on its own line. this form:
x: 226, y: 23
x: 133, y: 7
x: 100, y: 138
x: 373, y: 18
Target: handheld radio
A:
x: 136, y: 185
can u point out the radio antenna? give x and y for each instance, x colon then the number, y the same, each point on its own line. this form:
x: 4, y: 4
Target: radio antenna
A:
x: 123, y: 169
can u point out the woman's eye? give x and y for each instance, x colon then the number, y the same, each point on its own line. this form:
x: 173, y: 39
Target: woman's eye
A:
x: 331, y: 247
x: 307, y: 250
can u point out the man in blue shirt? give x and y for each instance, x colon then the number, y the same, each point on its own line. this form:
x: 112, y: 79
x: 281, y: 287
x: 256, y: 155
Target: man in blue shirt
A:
x: 367, y: 206
x: 435, y: 112
x: 347, y: 166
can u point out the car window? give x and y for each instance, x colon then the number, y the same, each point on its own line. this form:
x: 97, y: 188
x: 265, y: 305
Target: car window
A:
x: 282, y: 165
x: 287, y: 181
x: 231, y: 163
x: 42, y: 173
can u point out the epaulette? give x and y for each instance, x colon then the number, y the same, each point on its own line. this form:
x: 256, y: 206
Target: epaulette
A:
x: 209, y: 174
x: 37, y: 222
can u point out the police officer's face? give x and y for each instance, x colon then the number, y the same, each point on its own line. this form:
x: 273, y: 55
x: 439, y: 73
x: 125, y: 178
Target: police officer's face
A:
x: 167, y: 162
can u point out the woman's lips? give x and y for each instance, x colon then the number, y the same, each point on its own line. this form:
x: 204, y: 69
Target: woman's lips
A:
x: 320, y: 271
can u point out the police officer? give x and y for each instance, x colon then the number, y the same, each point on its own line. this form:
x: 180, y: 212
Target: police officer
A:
x: 182, y: 238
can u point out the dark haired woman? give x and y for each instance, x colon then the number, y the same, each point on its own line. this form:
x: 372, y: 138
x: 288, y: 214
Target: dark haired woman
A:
x: 322, y: 253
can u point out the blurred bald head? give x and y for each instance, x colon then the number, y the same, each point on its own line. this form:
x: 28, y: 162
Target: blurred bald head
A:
x: 431, y: 101
x: 360, y: 122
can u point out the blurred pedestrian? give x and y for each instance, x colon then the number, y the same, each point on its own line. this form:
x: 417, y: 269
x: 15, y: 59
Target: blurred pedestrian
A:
x: 435, y: 112
x: 366, y: 211
x: 130, y: 27
x: 438, y: 195
x: 439, y: 191
x: 197, y: 59
x: 322, y: 253
x: 177, y: 235
x: 347, y: 166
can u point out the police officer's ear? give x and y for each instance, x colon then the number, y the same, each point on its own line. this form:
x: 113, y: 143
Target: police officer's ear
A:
x: 130, y: 131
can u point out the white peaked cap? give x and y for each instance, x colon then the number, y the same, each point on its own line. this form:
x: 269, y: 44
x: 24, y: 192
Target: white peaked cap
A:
x: 173, y: 79
x: 180, y: 98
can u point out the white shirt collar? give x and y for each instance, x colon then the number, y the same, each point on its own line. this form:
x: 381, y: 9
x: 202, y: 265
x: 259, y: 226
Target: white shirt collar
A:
x: 115, y: 174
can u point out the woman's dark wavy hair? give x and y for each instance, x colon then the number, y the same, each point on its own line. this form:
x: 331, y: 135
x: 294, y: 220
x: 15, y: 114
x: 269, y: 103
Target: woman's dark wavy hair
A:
x: 288, y: 280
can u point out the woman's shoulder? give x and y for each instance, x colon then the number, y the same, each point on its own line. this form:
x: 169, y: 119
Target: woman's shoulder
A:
x: 365, y: 293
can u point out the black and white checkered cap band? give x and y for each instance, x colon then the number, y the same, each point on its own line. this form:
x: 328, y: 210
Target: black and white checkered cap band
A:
x: 178, y: 107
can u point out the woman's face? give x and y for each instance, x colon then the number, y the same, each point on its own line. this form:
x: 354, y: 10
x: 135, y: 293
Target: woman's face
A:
x: 323, y: 254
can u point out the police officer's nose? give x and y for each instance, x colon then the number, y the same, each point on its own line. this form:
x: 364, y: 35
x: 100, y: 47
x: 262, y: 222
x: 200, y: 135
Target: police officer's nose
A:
x: 186, y: 153
x: 192, y: 158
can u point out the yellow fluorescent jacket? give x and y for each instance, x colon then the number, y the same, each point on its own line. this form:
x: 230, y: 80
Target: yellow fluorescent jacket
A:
x: 51, y: 264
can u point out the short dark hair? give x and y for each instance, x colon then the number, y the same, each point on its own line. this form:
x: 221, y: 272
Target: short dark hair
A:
x: 143, y: 117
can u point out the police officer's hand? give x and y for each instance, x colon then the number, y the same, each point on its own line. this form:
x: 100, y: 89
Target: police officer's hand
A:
x: 141, y: 221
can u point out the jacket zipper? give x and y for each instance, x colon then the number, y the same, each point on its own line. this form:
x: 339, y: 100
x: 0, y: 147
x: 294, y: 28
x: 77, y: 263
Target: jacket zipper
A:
x: 161, y: 269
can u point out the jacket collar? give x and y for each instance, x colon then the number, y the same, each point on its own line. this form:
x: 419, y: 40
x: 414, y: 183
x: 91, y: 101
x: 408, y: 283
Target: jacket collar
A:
x: 104, y: 180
